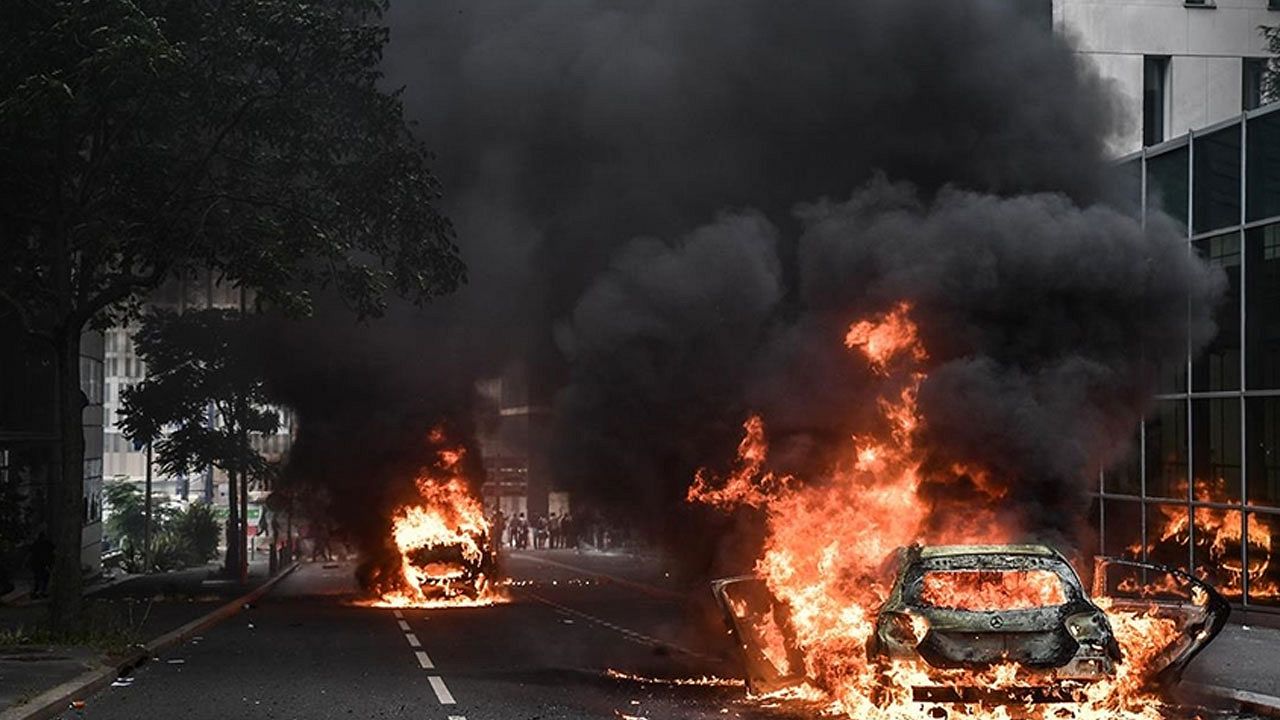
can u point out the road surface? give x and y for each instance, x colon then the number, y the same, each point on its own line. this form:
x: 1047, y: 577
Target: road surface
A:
x: 307, y: 652
x: 583, y: 637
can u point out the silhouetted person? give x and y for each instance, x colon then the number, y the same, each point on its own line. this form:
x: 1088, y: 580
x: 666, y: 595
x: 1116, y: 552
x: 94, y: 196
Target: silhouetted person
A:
x: 41, y: 563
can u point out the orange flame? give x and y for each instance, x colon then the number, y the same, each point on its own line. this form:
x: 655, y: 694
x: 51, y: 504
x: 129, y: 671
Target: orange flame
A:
x: 442, y: 539
x: 1219, y: 535
x: 826, y: 541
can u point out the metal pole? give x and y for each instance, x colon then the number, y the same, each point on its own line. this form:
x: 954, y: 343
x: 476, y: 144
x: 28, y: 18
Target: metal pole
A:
x: 146, y: 511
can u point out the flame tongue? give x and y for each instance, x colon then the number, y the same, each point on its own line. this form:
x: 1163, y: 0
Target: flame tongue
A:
x: 442, y: 541
x: 827, y: 539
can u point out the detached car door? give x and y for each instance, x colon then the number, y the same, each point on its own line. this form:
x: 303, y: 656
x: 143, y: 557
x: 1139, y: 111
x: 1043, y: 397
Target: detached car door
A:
x: 1161, y: 591
x: 760, y: 629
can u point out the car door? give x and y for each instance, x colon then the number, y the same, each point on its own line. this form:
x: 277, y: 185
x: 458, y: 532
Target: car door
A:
x: 759, y: 628
x: 1199, y: 609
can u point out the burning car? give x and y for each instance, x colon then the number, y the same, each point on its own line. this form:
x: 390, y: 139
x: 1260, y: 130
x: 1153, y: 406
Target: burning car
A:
x: 986, y: 623
x: 440, y: 550
x: 973, y: 607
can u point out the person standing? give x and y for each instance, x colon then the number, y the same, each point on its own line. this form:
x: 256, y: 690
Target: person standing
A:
x: 41, y: 563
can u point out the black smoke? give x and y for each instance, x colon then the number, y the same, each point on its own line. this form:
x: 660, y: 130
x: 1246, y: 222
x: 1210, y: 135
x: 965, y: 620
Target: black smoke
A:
x: 639, y: 193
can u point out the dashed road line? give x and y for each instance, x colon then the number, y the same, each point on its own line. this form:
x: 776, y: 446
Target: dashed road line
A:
x: 442, y: 691
x: 424, y: 661
x: 399, y: 615
x: 457, y: 717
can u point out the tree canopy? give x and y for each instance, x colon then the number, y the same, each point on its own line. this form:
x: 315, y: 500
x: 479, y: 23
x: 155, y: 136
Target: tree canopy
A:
x: 196, y: 361
x: 143, y: 139
x: 139, y: 138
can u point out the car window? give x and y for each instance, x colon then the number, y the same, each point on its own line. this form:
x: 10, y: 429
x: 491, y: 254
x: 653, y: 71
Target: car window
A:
x: 986, y: 590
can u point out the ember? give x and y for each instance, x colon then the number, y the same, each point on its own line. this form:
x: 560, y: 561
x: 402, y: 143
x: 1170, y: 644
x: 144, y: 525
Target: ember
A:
x: 828, y: 538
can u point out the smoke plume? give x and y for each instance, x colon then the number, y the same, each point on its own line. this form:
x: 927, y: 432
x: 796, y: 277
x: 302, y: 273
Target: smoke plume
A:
x: 670, y: 210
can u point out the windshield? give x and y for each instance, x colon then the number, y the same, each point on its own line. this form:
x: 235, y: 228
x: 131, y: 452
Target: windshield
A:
x: 989, y: 590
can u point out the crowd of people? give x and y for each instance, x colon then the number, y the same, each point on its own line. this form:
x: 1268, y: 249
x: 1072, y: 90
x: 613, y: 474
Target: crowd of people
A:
x: 553, y: 531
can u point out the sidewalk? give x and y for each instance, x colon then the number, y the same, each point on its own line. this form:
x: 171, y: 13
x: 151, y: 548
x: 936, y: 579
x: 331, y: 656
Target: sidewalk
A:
x: 1241, y: 664
x: 151, y: 605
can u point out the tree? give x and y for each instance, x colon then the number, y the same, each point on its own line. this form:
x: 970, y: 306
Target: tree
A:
x: 1271, y: 72
x: 195, y: 361
x: 144, y: 138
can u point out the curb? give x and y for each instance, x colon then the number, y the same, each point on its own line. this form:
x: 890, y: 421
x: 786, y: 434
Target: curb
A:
x: 1253, y: 702
x: 56, y: 700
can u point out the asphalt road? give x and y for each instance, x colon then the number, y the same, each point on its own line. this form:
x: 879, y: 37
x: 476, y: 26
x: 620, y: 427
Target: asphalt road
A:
x: 307, y: 652
x: 553, y: 652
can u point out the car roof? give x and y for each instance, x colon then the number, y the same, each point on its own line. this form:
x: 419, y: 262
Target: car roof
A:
x: 940, y: 551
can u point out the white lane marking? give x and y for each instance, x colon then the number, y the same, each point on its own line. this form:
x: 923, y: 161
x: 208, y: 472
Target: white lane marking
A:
x: 413, y: 640
x: 442, y: 691
x: 423, y: 660
x: 457, y: 717
x: 398, y: 614
x: 403, y: 625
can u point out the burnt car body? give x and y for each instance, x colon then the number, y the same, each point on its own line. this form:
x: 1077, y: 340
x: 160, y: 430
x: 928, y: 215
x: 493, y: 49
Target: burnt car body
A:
x: 960, y: 607
x: 1057, y: 636
x: 453, y: 569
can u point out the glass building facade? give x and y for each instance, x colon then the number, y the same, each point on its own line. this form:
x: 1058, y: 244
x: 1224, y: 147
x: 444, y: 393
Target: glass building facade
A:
x: 1201, y: 488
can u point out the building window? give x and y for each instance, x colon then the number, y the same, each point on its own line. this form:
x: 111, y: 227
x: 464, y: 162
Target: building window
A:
x: 1262, y: 308
x: 1155, y: 98
x: 1167, y: 183
x: 1166, y: 450
x: 1251, y: 89
x: 91, y: 379
x: 1218, y: 366
x: 1216, y: 190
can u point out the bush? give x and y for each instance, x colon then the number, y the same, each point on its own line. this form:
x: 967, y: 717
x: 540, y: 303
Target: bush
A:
x: 197, y: 531
x: 179, y: 538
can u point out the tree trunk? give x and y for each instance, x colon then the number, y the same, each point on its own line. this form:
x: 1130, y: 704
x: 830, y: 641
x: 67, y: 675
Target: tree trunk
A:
x: 244, y: 527
x: 66, y: 491
x: 233, y: 526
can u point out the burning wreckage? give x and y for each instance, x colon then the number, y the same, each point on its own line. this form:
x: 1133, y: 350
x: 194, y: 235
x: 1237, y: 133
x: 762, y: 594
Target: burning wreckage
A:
x: 956, y: 613
x: 873, y: 599
x: 441, y: 549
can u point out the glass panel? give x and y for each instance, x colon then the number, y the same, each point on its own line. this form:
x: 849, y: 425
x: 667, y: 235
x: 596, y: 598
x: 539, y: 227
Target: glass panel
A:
x: 1125, y: 477
x: 1262, y: 428
x: 1167, y: 534
x: 1215, y: 449
x: 1262, y: 158
x: 1264, y: 566
x: 1167, y: 183
x: 1217, y: 180
x: 1127, y: 181
x: 1166, y: 450
x: 1218, y: 366
x: 1217, y: 549
x: 1155, y: 98
x: 1262, y: 308
x: 1123, y: 525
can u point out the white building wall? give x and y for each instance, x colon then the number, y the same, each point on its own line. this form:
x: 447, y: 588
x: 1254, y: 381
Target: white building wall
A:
x: 1205, y: 44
